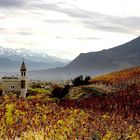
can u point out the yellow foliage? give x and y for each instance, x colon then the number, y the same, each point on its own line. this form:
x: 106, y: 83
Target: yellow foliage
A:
x: 30, y: 135
x: 106, y: 116
x: 134, y: 136
x: 39, y: 120
x: 9, y: 114
x: 107, y: 136
x: 60, y: 122
x: 44, y: 117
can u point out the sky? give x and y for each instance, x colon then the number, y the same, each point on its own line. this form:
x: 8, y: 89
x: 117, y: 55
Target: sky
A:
x: 66, y: 28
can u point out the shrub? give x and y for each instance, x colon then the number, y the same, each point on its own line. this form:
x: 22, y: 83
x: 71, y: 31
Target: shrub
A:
x: 0, y: 92
x: 31, y: 93
x: 80, y: 81
x: 87, y: 79
x: 60, y: 92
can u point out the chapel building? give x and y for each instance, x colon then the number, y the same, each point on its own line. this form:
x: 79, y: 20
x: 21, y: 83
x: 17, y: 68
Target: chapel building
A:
x: 16, y: 84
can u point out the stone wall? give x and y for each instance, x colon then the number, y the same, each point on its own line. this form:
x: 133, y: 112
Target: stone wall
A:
x: 11, y: 85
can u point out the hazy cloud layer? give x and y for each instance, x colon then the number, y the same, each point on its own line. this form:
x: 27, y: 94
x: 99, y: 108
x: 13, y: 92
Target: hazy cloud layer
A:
x: 11, y: 3
x: 86, y: 38
x: 64, y: 23
x: 113, y: 24
x: 56, y: 21
x: 24, y: 33
x: 2, y: 29
x: 94, y: 20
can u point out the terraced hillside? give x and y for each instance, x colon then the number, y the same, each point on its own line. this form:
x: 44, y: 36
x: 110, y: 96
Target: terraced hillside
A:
x: 120, y: 79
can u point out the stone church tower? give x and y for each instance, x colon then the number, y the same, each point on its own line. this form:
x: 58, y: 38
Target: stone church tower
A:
x: 15, y: 84
x: 23, y: 80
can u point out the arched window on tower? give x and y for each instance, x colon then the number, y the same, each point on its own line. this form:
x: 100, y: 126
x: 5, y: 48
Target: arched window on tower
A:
x: 23, y: 73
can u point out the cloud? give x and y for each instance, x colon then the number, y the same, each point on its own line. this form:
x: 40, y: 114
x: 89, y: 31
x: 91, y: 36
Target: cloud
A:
x: 25, y: 33
x: 79, y: 38
x: 45, y: 6
x: 131, y: 21
x: 72, y: 12
x: 2, y: 29
x: 11, y: 3
x: 113, y: 24
x: 94, y: 20
x: 86, y: 38
x: 56, y: 21
x: 88, y: 19
x: 59, y: 37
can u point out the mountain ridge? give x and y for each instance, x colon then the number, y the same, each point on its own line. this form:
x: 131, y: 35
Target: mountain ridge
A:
x: 93, y: 63
x: 10, y: 59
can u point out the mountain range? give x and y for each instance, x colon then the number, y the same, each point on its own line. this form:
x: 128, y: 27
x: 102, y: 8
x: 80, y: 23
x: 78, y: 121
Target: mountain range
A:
x: 94, y: 63
x: 10, y: 60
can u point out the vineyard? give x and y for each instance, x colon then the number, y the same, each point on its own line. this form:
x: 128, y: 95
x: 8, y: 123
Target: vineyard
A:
x: 118, y: 80
x: 114, y: 116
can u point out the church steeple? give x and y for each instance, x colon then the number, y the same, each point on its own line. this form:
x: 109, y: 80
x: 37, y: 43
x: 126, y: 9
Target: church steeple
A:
x: 23, y: 79
x: 23, y: 67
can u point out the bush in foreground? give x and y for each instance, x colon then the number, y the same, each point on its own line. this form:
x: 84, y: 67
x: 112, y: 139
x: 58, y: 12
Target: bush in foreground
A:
x: 60, y: 92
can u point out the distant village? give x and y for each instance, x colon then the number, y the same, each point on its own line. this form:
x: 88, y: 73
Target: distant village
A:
x: 23, y: 86
x: 16, y: 84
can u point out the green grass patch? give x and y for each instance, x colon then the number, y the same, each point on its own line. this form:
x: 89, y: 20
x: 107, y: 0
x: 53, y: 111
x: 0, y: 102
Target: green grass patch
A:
x: 39, y: 90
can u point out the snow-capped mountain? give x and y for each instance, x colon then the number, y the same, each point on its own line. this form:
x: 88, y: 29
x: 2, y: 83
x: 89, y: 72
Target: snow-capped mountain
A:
x: 10, y: 59
x: 37, y: 56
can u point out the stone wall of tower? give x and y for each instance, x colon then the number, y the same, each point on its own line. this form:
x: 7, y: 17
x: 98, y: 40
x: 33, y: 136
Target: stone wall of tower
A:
x: 23, y: 86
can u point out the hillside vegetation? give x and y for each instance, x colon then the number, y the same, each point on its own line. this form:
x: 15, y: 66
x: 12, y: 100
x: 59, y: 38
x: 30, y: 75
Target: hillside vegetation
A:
x: 119, y: 80
x: 119, y: 77
x: 106, y: 109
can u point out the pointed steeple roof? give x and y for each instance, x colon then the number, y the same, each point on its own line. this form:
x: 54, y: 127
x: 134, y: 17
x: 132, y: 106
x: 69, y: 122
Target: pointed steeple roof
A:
x: 23, y: 67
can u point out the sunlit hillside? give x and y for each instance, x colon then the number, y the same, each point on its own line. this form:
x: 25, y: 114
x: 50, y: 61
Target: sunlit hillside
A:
x: 118, y: 80
x: 119, y: 76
